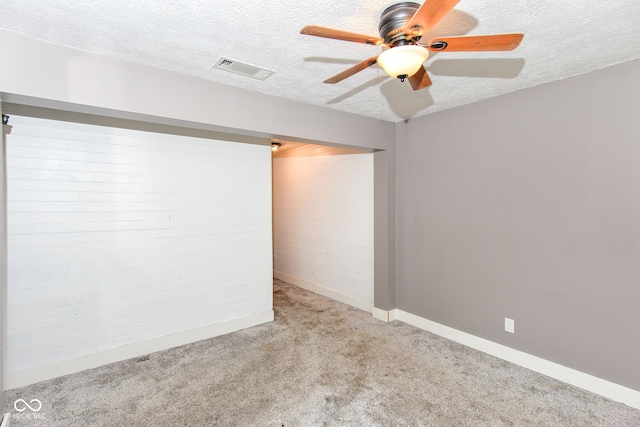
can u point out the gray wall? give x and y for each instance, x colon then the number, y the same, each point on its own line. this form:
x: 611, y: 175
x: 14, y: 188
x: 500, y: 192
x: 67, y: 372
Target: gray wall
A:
x: 384, y: 245
x: 528, y: 206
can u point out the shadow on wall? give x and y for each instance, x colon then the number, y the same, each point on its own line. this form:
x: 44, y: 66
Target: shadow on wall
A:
x: 406, y: 103
x: 403, y: 100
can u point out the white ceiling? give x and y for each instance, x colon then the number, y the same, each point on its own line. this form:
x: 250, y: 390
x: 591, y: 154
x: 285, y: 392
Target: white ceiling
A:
x: 562, y: 38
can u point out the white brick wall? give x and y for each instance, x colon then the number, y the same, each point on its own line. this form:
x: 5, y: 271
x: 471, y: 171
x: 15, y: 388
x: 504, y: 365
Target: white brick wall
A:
x: 118, y: 236
x: 323, y: 225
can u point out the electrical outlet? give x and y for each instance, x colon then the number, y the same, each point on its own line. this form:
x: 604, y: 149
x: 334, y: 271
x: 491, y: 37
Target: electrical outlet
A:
x: 509, y: 325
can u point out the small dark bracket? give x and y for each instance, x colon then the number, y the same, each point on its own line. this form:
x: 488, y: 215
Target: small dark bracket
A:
x: 438, y: 45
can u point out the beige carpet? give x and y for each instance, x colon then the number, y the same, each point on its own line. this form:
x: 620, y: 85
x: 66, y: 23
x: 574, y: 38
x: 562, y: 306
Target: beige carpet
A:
x: 321, y: 363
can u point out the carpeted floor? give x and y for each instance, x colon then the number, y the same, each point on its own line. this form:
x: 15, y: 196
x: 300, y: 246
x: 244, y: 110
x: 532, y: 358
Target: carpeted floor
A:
x: 321, y: 363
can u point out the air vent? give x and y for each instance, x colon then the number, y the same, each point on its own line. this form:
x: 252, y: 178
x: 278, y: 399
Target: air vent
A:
x: 242, y: 68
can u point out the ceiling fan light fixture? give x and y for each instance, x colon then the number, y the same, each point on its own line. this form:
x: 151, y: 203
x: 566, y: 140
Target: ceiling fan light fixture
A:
x: 403, y: 61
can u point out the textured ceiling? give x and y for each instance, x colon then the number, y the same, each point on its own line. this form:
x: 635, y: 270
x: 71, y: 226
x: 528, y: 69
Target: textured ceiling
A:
x: 562, y: 38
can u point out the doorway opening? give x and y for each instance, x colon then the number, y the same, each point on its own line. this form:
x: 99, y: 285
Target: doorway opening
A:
x: 323, y: 225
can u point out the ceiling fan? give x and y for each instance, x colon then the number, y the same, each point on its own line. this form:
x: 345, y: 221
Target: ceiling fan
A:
x: 401, y: 26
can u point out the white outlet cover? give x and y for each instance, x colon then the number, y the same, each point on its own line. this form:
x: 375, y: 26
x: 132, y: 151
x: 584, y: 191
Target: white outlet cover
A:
x: 509, y: 325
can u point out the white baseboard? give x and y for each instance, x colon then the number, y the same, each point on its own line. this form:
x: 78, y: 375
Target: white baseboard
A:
x: 380, y: 314
x: 23, y: 377
x: 585, y: 381
x: 321, y: 290
x: 384, y: 315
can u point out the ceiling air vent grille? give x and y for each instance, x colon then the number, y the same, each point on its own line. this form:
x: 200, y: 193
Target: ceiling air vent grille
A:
x: 242, y: 68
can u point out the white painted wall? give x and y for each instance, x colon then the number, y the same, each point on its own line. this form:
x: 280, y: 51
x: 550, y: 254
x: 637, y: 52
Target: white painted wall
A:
x: 3, y: 255
x: 323, y: 225
x: 118, y: 237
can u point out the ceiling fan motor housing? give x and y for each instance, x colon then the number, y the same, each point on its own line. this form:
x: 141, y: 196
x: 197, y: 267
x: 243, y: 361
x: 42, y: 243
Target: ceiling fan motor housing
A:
x: 392, y: 20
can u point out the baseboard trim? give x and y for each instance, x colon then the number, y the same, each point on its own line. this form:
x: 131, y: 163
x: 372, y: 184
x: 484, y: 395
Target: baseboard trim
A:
x: 321, y: 290
x: 23, y: 377
x: 571, y: 376
x: 384, y: 315
x: 380, y: 314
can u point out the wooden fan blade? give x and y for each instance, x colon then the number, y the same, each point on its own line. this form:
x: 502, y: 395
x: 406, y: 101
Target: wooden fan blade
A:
x: 430, y: 13
x: 476, y: 43
x: 351, y: 71
x: 330, y: 33
x: 420, y: 80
